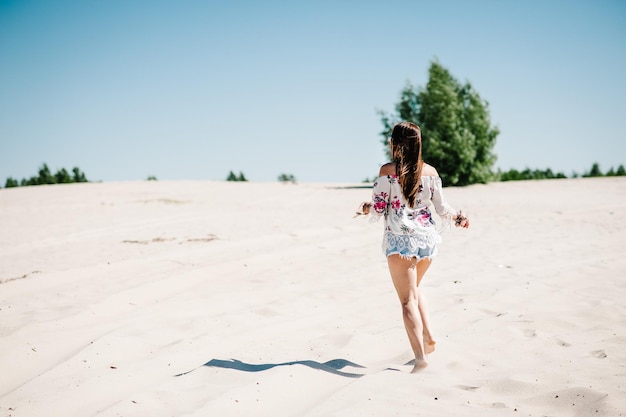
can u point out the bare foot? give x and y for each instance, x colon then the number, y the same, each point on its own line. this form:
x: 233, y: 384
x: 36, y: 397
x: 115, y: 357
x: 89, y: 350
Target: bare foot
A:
x: 419, y: 365
x: 429, y: 346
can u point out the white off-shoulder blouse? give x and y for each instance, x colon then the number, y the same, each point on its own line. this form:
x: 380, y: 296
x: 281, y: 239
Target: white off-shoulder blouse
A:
x: 410, y: 231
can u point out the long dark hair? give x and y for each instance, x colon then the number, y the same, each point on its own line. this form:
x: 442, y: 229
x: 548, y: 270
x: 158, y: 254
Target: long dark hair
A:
x: 406, y: 152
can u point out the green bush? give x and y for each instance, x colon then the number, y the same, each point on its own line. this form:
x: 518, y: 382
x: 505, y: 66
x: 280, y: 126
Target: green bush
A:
x: 44, y: 176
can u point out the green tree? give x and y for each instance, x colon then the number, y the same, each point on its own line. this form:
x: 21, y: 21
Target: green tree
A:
x: 287, y: 178
x: 78, y: 176
x: 595, y: 171
x: 45, y: 176
x: 11, y: 182
x: 233, y: 177
x: 457, y: 135
x: 510, y: 175
x: 620, y: 171
x: 62, y: 176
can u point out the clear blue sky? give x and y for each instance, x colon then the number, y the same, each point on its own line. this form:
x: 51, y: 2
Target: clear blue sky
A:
x: 194, y: 89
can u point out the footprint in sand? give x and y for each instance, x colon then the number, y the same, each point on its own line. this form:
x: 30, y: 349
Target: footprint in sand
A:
x: 208, y: 238
x: 494, y: 313
x: 494, y: 405
x: 600, y: 354
x: 562, y: 343
x: 530, y: 333
x: 2, y: 281
x: 467, y: 387
x: 146, y: 242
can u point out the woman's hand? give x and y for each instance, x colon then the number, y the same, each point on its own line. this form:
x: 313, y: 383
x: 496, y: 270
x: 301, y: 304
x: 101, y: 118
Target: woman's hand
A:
x: 461, y: 220
x: 364, y: 209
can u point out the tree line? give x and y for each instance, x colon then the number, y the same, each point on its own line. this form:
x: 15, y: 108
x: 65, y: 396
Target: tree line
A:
x: 62, y: 176
x: 45, y: 176
x: 284, y: 178
x: 537, y: 174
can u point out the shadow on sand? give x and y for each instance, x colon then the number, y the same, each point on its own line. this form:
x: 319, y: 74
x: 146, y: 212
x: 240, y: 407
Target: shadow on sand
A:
x: 333, y: 366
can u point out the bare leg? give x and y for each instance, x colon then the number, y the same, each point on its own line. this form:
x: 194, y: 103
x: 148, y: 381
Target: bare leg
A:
x: 429, y: 342
x: 406, y: 276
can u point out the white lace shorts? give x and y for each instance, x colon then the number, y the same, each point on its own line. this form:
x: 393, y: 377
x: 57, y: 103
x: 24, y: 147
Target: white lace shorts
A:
x: 410, y: 246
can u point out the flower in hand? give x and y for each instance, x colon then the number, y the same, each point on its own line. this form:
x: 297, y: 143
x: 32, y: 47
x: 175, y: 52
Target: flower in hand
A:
x: 364, y: 209
x: 461, y: 220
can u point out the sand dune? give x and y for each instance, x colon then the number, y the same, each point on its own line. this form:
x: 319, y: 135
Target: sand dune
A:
x: 265, y: 299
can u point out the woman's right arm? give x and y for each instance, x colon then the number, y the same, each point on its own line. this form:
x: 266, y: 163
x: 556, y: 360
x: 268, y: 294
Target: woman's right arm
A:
x: 380, y: 193
x: 380, y: 196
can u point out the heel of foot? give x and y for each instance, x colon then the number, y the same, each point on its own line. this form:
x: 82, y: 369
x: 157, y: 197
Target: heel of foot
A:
x: 429, y: 347
x: 419, y: 365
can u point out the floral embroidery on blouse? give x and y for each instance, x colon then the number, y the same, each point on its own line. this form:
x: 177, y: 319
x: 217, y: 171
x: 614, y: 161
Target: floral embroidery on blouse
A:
x: 400, y: 218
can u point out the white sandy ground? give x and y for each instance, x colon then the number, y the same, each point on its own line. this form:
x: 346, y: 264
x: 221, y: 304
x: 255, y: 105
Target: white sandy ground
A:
x: 108, y: 291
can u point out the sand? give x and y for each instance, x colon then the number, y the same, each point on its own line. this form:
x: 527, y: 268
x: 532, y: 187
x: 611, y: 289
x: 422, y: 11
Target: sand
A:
x: 268, y: 299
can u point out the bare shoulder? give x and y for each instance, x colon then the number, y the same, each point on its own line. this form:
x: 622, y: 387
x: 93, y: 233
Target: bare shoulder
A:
x: 387, y: 169
x: 429, y: 170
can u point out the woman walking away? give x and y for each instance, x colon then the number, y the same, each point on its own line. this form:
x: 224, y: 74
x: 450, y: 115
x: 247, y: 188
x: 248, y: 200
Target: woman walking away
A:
x: 403, y: 193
